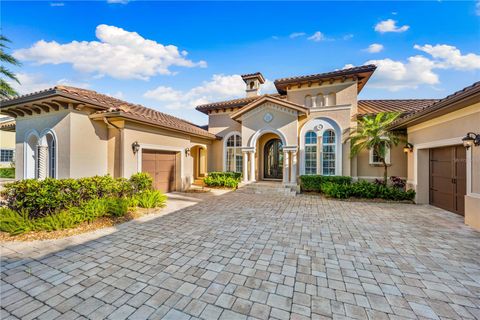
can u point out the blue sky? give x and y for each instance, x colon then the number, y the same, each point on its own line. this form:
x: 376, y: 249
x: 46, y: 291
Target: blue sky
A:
x: 137, y: 50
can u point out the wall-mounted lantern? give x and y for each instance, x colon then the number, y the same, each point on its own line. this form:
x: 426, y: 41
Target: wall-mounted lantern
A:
x: 135, y: 147
x: 408, y: 147
x: 187, y: 152
x: 471, y: 139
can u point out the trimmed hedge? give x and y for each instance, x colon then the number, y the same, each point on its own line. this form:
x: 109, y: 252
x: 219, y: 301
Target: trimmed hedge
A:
x: 7, y: 173
x: 39, y: 198
x: 314, y: 182
x: 223, y: 179
x: 365, y: 189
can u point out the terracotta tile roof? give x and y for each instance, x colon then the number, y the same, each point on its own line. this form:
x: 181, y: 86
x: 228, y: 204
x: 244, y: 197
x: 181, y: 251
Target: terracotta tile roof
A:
x: 470, y: 94
x: 7, y: 125
x: 362, y: 72
x: 258, y: 75
x: 234, y: 103
x: 397, y: 105
x: 109, y: 104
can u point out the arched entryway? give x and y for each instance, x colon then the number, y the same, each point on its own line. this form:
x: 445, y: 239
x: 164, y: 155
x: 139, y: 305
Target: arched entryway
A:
x: 273, y: 159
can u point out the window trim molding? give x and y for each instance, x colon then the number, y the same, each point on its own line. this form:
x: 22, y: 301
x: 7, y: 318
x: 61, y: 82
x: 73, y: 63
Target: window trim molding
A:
x: 387, y: 158
x: 13, y: 155
x: 225, y: 139
x: 327, y: 123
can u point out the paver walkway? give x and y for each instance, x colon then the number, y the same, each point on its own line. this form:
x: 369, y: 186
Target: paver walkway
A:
x: 244, y: 255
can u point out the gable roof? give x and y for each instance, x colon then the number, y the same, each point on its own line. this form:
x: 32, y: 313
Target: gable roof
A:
x: 234, y: 103
x: 268, y: 98
x: 361, y: 74
x: 457, y: 100
x: 366, y: 107
x: 108, y: 105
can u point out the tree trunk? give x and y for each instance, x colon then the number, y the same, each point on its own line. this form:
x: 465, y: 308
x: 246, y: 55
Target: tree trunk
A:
x: 385, y: 172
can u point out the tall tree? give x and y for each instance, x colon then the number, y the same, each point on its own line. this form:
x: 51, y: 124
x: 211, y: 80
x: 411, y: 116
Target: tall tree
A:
x: 6, y: 90
x: 372, y: 133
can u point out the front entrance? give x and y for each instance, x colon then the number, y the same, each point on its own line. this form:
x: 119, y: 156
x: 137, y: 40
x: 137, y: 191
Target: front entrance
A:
x: 448, y: 178
x: 273, y: 159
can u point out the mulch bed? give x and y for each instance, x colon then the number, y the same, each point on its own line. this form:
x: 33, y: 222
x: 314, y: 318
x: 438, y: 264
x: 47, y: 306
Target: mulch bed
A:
x: 100, y: 223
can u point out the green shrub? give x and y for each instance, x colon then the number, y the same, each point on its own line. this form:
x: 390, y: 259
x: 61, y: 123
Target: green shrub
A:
x: 223, y: 179
x: 117, y: 207
x: 150, y: 199
x: 58, y: 221
x: 7, y: 173
x: 141, y: 181
x: 45, y: 197
x: 15, y: 222
x: 314, y: 182
x: 365, y: 189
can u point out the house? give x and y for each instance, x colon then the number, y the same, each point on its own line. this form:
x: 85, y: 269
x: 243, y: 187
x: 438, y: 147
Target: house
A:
x: 7, y: 142
x: 302, y: 129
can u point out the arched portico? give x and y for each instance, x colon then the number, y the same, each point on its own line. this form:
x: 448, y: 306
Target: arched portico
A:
x: 266, y: 153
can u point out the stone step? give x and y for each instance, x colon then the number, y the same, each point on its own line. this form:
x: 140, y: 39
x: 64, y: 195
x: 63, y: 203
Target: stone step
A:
x: 271, y: 188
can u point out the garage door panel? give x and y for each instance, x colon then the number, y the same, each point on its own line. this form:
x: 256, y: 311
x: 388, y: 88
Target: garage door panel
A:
x: 448, y: 178
x: 161, y: 165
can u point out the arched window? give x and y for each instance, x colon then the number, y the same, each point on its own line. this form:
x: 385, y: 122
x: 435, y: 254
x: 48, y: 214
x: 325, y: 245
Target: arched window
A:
x: 308, y: 101
x: 233, y: 154
x: 320, y: 101
x: 52, y: 159
x: 328, y: 153
x: 310, y: 153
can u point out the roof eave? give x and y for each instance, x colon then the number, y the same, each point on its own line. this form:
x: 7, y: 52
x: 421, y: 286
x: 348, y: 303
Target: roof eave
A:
x: 124, y: 115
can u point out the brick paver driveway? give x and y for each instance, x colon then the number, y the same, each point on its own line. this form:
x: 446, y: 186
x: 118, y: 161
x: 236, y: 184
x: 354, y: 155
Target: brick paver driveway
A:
x: 240, y: 255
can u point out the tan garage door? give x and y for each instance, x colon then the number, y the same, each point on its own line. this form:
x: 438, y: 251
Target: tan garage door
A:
x: 161, y: 165
x: 448, y: 178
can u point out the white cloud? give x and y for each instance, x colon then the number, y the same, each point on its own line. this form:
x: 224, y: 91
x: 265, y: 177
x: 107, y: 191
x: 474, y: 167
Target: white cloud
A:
x: 30, y: 82
x: 296, y: 35
x: 374, y: 48
x: 220, y: 87
x: 348, y: 66
x: 57, y: 4
x: 317, y: 36
x: 347, y: 36
x: 118, y: 1
x: 477, y: 8
x: 449, y: 57
x: 120, y: 54
x: 390, y: 25
x: 396, y: 75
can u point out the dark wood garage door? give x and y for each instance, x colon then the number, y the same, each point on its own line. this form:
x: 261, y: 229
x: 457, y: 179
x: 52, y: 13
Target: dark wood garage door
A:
x: 161, y: 165
x: 448, y: 178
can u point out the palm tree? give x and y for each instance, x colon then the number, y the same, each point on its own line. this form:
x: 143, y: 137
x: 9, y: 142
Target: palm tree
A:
x: 372, y: 133
x: 6, y: 90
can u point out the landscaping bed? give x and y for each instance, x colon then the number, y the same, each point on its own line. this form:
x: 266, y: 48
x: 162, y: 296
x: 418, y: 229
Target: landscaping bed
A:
x: 8, y: 173
x: 340, y: 187
x: 228, y: 180
x: 34, y: 208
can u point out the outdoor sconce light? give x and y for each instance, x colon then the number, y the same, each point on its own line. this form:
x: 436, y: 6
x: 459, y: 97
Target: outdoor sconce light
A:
x: 135, y: 147
x: 471, y: 139
x: 408, y: 147
x: 187, y: 152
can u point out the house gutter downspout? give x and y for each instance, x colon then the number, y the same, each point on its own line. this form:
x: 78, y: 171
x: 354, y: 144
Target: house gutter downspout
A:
x: 121, y: 139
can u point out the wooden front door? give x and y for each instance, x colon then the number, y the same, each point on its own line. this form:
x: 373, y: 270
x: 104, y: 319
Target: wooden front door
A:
x: 448, y: 178
x: 161, y: 165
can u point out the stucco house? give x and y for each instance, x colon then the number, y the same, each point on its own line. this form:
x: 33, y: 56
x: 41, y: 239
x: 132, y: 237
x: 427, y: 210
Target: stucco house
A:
x: 302, y: 129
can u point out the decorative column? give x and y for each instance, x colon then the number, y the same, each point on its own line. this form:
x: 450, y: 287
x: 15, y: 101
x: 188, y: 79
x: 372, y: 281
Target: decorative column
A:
x: 42, y: 162
x: 285, y: 167
x: 245, y: 166
x: 293, y: 175
x: 252, y: 166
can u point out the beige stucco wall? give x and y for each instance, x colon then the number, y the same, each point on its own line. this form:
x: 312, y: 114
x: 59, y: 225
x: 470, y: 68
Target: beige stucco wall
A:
x: 221, y: 124
x: 447, y: 130
x: 345, y: 92
x: 285, y: 121
x: 398, y: 165
x: 88, y: 146
x: 159, y: 139
x: 59, y: 122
